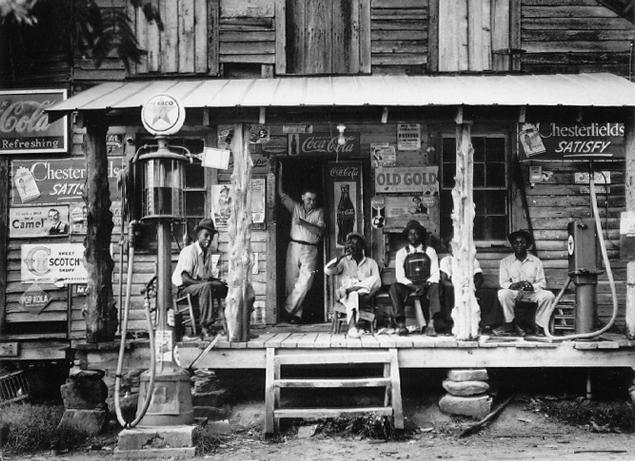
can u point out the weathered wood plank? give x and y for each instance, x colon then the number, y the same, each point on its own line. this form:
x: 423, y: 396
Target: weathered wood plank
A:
x: 568, y: 11
x: 170, y: 35
x: 248, y: 58
x: 317, y: 44
x: 242, y: 48
x: 399, y: 46
x: 577, y: 46
x: 576, y: 23
x: 365, y: 37
x: 253, y: 36
x: 500, y: 34
x: 201, y: 34
x: 186, y: 37
x: 397, y: 59
x: 281, y: 36
x: 411, y: 4
x: 400, y: 35
x: 248, y: 8
x: 583, y: 35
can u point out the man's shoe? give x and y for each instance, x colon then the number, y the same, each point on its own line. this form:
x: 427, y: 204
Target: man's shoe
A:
x: 429, y: 331
x: 540, y: 331
x: 504, y: 330
x: 295, y: 320
x: 402, y: 331
x: 353, y: 333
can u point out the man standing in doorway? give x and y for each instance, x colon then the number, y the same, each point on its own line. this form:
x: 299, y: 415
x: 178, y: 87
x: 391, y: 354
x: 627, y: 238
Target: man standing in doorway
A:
x: 307, y: 228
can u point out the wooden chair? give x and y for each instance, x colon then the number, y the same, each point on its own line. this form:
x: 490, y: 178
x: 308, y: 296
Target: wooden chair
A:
x: 184, y: 308
x: 339, y: 316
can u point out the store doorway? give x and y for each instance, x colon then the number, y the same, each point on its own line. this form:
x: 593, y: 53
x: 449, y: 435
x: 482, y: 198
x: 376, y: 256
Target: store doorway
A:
x: 300, y: 173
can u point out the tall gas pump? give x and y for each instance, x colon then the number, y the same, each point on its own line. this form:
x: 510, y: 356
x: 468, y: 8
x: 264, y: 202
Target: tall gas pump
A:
x: 164, y: 395
x: 583, y: 251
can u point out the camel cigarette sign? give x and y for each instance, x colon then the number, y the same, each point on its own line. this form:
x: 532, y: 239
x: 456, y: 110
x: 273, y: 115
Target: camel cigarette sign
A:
x: 571, y: 141
x: 24, y: 125
x: 58, y: 263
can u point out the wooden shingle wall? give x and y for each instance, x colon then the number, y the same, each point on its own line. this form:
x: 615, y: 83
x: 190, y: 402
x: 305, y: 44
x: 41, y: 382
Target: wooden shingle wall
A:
x: 574, y: 36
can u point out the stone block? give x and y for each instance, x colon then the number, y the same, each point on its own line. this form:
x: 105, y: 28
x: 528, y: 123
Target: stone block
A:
x: 83, y: 393
x: 89, y: 422
x: 156, y: 437
x: 215, y: 398
x: 468, y: 374
x: 474, y: 407
x: 465, y: 388
x: 202, y: 386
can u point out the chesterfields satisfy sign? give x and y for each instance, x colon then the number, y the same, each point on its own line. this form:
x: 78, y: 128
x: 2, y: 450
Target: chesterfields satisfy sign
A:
x: 24, y: 124
x: 571, y: 141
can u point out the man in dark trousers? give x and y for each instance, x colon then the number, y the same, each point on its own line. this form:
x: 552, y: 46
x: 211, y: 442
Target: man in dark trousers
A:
x: 416, y: 271
x: 194, y: 274
x: 522, y: 278
x: 307, y: 228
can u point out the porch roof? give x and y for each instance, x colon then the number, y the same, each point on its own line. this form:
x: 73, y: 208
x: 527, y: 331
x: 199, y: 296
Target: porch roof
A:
x: 585, y: 90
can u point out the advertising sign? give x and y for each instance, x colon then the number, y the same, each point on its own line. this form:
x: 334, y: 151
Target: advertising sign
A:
x: 383, y: 154
x: 34, y: 300
x: 402, y: 208
x: 571, y: 141
x: 323, y: 143
x: 222, y: 203
x: 38, y: 221
x: 58, y: 263
x: 345, y: 196
x: 421, y: 180
x: 56, y: 180
x: 408, y: 136
x: 25, y: 127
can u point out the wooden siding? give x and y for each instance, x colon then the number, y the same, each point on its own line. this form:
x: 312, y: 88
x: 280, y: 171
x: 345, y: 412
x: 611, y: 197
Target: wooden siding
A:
x: 574, y: 36
x: 399, y: 36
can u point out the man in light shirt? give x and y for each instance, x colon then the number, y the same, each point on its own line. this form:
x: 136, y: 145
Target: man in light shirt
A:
x: 195, y: 275
x: 307, y: 228
x: 522, y: 277
x: 416, y: 272
x: 359, y: 279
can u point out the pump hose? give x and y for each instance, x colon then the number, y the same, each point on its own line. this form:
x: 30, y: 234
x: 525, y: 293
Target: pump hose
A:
x: 609, y: 274
x: 122, y: 345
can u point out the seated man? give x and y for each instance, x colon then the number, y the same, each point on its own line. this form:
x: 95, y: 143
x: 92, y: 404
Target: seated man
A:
x: 486, y: 297
x: 522, y: 277
x: 416, y: 272
x: 359, y: 279
x: 193, y: 274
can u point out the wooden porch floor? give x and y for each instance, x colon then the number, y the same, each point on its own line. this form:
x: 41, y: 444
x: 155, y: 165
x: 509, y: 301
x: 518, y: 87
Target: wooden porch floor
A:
x: 418, y: 351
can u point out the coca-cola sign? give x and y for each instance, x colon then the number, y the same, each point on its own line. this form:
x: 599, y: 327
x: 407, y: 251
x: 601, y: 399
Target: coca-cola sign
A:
x: 24, y: 123
x: 324, y: 143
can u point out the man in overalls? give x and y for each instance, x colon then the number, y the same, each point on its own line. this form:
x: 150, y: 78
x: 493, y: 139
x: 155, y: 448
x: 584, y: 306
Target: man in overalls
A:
x: 416, y: 272
x: 307, y: 228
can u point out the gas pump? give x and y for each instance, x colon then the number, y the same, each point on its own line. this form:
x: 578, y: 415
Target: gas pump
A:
x: 582, y: 249
x: 164, y: 394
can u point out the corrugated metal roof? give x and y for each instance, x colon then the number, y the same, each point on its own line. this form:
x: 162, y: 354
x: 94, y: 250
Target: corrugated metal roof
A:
x: 600, y: 89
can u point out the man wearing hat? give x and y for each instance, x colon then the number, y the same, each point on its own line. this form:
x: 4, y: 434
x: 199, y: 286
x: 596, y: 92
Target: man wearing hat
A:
x: 416, y: 272
x: 358, y: 279
x: 194, y: 274
x: 522, y: 277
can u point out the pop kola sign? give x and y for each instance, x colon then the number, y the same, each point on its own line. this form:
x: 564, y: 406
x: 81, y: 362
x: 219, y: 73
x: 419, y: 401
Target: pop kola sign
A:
x: 571, y: 141
x: 25, y: 126
x: 58, y: 263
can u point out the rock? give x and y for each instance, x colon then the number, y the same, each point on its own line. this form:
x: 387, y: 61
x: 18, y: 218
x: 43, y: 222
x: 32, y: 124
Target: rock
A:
x: 90, y: 422
x: 202, y: 386
x: 465, y: 388
x: 218, y: 427
x: 215, y: 398
x: 475, y: 407
x: 305, y: 432
x: 476, y: 374
x: 84, y: 390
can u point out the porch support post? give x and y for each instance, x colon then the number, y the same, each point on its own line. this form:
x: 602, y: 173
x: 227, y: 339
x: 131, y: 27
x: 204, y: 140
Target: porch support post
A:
x: 4, y: 233
x: 466, y: 312
x: 630, y: 206
x: 101, y: 315
x: 239, y: 302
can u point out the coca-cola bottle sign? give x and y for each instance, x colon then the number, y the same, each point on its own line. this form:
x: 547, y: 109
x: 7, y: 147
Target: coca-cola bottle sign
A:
x: 327, y: 143
x: 24, y: 122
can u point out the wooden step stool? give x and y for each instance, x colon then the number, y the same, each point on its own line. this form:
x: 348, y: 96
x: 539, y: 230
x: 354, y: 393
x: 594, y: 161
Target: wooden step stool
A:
x: 563, y: 318
x: 277, y: 358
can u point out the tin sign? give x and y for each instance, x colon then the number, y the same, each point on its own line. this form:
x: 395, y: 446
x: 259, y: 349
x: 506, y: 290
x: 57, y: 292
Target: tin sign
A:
x: 38, y: 221
x: 34, y: 300
x: 25, y: 126
x: 58, y: 263
x: 422, y: 180
x: 162, y: 115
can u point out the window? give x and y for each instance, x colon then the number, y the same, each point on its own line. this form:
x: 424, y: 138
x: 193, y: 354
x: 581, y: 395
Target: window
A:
x: 490, y: 186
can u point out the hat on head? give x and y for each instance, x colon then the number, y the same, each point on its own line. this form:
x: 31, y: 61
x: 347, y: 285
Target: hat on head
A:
x: 521, y: 233
x: 356, y: 234
x: 414, y: 224
x: 206, y: 223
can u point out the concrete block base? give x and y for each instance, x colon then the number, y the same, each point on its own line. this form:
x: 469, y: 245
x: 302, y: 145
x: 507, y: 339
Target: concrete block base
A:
x: 475, y: 407
x: 156, y: 453
x: 158, y: 437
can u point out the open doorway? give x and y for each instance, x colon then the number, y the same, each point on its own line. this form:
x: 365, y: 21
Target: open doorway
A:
x: 300, y: 173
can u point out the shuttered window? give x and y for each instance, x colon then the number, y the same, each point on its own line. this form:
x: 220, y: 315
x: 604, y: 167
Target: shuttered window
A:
x: 477, y: 35
x: 490, y: 187
x: 325, y: 37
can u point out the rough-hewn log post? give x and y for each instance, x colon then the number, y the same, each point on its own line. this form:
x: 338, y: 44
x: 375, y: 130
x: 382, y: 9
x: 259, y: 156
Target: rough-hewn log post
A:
x: 630, y: 206
x: 240, y: 295
x: 4, y: 234
x: 101, y: 315
x: 466, y: 312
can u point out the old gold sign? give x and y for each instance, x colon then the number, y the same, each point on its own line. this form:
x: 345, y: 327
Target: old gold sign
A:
x: 412, y: 179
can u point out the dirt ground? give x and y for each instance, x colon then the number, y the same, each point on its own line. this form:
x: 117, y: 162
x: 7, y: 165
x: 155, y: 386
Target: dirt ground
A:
x: 518, y: 433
